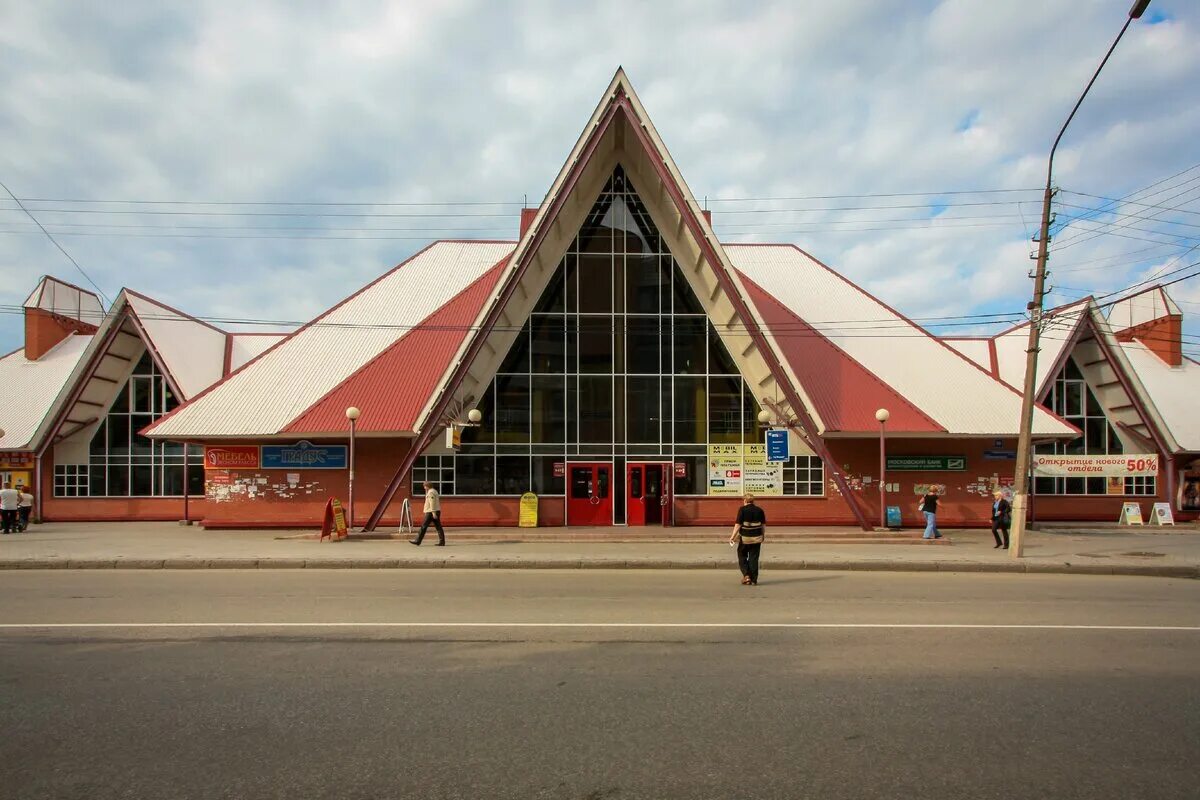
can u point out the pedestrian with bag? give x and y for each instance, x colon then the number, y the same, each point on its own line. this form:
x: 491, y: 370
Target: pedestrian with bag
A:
x: 1001, y: 518
x: 24, y: 507
x: 10, y: 501
x: 433, y: 516
x: 928, y: 507
x: 748, y: 533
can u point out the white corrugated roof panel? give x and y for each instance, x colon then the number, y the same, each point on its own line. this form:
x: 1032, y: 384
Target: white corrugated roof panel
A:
x: 978, y: 350
x: 959, y: 395
x: 193, y: 351
x: 1012, y: 345
x: 1172, y: 390
x: 273, y: 390
x: 28, y: 389
x: 245, y: 346
x: 1143, y: 307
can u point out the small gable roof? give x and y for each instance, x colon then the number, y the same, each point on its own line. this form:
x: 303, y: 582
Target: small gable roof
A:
x: 29, y: 390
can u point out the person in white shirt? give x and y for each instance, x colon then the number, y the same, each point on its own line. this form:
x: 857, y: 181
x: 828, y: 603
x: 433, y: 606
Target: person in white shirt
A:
x: 433, y: 515
x: 24, y: 507
x: 10, y: 501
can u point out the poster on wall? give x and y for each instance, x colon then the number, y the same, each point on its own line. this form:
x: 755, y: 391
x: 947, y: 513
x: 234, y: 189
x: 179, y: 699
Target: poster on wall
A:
x: 1081, y: 466
x: 724, y: 469
x: 734, y: 470
x: 760, y: 476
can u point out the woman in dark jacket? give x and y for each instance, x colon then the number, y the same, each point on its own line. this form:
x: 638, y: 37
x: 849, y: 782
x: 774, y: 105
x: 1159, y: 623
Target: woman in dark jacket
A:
x: 748, y: 535
x: 1001, y: 518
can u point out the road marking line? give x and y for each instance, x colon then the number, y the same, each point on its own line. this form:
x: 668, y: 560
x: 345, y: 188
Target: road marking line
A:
x: 733, y: 625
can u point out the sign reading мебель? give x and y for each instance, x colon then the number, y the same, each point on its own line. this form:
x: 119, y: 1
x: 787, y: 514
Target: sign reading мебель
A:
x: 1080, y: 466
x: 926, y: 463
x: 735, y: 470
x: 304, y: 455
x: 231, y: 457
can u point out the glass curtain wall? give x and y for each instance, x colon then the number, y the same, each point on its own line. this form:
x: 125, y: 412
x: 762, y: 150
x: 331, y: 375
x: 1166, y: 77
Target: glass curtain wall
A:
x: 1071, y: 398
x: 122, y: 462
x: 618, y: 362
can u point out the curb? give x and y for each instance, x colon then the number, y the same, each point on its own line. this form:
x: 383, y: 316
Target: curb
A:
x: 1028, y: 567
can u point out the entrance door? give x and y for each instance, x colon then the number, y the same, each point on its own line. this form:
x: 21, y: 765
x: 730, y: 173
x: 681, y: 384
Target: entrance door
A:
x: 589, y: 497
x: 648, y: 499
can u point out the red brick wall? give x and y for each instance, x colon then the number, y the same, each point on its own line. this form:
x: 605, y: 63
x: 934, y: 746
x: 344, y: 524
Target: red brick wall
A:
x: 43, y: 330
x: 110, y: 509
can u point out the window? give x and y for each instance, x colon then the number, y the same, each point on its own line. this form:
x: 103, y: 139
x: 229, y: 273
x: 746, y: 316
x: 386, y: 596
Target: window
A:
x: 1072, y: 398
x: 122, y: 462
x: 70, y: 480
x: 804, y: 476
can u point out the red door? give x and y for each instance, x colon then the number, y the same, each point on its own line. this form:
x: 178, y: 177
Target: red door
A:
x: 589, y: 494
x: 648, y: 498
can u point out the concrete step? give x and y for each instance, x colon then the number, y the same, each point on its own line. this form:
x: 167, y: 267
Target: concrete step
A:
x: 680, y: 536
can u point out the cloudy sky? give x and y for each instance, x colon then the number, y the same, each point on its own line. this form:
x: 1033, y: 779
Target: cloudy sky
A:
x: 876, y: 135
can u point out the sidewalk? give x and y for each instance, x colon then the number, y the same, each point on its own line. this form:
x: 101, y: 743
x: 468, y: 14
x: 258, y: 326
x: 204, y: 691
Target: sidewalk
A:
x: 1092, y: 550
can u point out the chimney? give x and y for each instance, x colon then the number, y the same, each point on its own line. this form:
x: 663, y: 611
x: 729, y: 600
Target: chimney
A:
x: 707, y: 216
x: 527, y: 215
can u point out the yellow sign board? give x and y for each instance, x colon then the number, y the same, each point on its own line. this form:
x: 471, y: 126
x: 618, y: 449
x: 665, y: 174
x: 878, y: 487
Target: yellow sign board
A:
x: 529, y: 508
x: 734, y: 470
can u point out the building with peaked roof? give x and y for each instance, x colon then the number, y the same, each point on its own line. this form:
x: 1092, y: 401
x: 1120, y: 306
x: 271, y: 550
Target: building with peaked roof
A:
x: 622, y: 361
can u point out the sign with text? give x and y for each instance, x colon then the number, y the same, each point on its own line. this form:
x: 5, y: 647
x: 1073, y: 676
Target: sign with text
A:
x: 734, y: 470
x: 11, y: 461
x: 527, y: 516
x: 777, y: 445
x: 333, y: 526
x: 304, y: 455
x: 926, y: 463
x: 454, y: 438
x: 1081, y: 466
x: 231, y: 457
x: 893, y: 517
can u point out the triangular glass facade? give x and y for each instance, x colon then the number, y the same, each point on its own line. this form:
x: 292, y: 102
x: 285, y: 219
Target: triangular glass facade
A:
x: 1071, y: 398
x: 617, y: 362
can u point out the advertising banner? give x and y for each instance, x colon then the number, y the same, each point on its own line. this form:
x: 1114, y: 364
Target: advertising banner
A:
x: 231, y: 457
x: 304, y: 455
x: 777, y: 445
x: 527, y: 517
x: 735, y: 470
x: 1080, y: 466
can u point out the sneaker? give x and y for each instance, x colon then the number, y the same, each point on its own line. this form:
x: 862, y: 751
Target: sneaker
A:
x: 413, y: 541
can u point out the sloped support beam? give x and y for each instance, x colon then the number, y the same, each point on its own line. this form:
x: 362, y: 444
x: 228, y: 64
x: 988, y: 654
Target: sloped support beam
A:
x: 495, y: 313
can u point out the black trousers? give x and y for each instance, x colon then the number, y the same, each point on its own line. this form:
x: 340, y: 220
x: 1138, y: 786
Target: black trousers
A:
x: 999, y: 525
x: 436, y: 520
x: 748, y: 560
x: 8, y: 519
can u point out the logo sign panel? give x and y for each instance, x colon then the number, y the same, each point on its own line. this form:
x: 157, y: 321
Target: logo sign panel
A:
x: 926, y: 463
x: 777, y: 445
x: 1080, y: 466
x: 231, y: 457
x: 304, y: 455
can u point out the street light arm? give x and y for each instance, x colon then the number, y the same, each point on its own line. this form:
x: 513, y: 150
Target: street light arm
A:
x: 1095, y: 75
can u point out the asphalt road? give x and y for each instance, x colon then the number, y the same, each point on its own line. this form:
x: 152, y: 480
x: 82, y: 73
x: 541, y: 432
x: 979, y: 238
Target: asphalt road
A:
x: 594, y: 684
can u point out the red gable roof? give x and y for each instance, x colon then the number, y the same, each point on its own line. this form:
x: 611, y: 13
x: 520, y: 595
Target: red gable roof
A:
x: 843, y: 392
x: 395, y: 386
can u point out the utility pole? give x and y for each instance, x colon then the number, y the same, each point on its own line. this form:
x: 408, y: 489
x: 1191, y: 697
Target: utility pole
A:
x: 1021, y: 477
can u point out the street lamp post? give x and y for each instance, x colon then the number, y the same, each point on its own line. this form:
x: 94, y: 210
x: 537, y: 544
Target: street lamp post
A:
x: 352, y: 414
x: 882, y: 415
x: 1024, y: 443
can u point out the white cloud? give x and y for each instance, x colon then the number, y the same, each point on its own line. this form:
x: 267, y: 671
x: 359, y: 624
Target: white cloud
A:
x: 452, y: 101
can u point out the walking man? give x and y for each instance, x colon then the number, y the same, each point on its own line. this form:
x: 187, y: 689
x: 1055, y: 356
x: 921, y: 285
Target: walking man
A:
x: 10, y: 501
x: 433, y: 515
x: 24, y: 507
x: 748, y: 533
